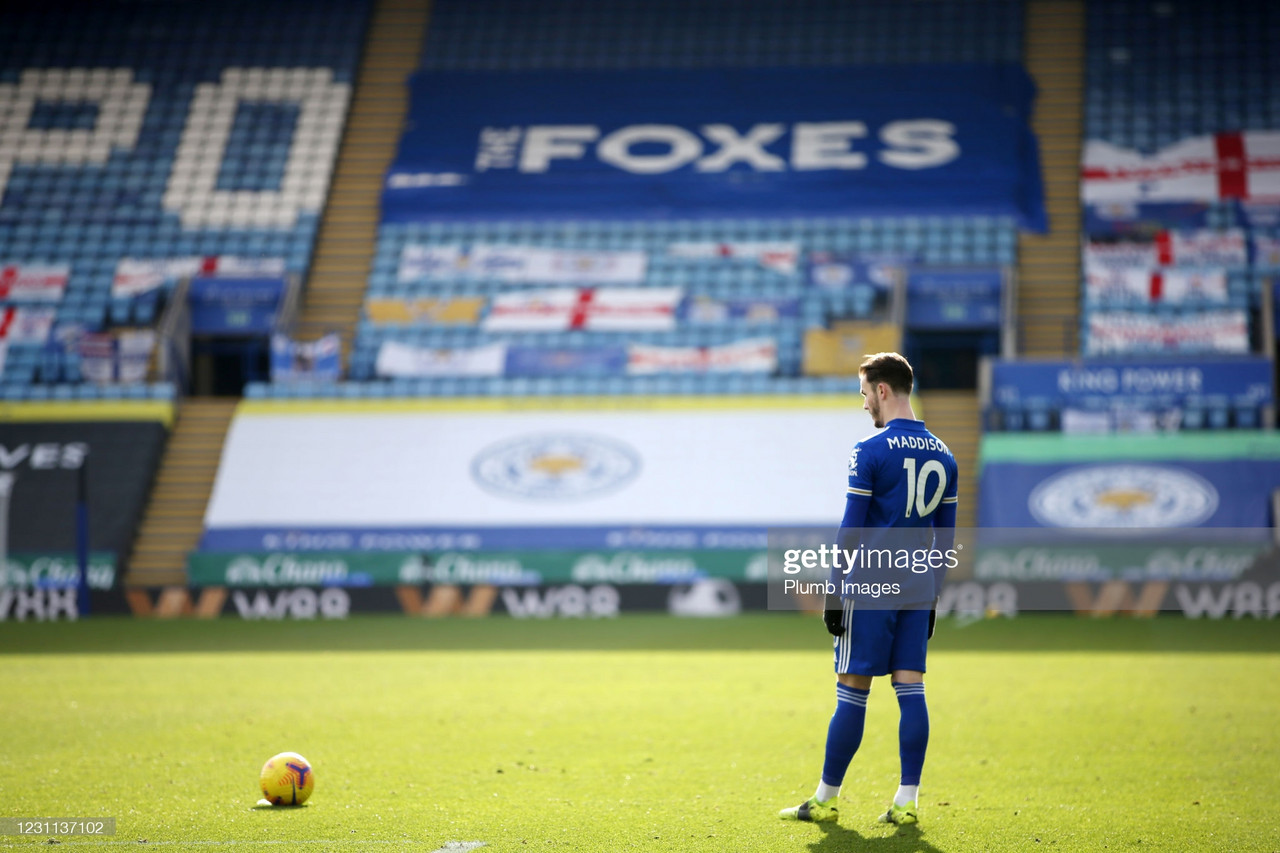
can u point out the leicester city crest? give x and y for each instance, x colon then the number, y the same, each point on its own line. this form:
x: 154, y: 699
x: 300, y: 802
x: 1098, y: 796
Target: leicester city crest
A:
x: 1130, y: 496
x: 555, y: 467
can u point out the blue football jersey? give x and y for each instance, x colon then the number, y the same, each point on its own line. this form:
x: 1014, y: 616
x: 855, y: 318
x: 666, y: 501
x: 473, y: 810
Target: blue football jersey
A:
x: 906, y: 471
x: 899, y: 524
x: 907, y: 478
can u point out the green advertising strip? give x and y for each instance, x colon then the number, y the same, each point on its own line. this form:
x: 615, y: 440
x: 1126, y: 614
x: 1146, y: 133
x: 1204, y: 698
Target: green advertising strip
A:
x: 57, y: 569
x: 1207, y: 562
x: 386, y: 568
x: 1059, y: 448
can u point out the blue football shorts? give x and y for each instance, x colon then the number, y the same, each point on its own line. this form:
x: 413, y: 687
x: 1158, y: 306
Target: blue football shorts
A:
x: 877, y: 642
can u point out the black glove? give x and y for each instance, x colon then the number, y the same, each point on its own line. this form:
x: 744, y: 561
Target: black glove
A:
x: 834, y: 617
x: 933, y: 618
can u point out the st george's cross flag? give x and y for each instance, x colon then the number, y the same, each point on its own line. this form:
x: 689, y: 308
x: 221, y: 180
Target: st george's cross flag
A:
x: 607, y: 309
x: 1244, y: 165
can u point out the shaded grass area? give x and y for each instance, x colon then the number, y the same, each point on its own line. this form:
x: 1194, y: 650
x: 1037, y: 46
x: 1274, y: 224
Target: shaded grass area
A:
x: 779, y: 631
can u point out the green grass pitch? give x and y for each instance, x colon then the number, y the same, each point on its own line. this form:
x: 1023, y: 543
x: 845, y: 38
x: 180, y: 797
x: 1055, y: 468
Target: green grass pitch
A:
x: 638, y: 733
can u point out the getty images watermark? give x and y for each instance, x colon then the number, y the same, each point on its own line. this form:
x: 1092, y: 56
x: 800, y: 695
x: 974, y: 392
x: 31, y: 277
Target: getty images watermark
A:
x: 1025, y: 569
x: 890, y: 569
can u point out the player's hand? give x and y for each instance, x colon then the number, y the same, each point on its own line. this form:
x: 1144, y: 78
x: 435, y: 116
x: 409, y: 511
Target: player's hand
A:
x: 933, y: 618
x: 834, y: 618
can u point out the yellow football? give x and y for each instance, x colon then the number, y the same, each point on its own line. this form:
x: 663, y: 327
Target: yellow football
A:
x: 287, y: 779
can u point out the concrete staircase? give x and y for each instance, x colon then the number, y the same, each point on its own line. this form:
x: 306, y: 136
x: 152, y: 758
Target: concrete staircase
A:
x: 349, y: 230
x: 174, y: 516
x: 1049, y: 265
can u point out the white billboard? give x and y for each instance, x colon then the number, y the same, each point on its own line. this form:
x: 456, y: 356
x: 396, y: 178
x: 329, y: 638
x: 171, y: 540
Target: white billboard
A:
x: 433, y: 468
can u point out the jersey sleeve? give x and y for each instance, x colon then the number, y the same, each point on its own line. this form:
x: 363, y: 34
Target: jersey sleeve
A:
x: 857, y: 497
x: 950, y: 496
x: 861, y: 471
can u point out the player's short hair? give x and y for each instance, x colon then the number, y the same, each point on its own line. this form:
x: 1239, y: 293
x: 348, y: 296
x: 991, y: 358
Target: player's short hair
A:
x: 891, y: 369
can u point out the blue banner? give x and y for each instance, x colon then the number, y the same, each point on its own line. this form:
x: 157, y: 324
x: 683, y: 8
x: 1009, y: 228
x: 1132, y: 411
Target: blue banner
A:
x: 759, y: 142
x: 954, y: 299
x: 234, y: 305
x: 1244, y: 381
x: 1143, y: 220
x: 313, y: 360
x: 575, y: 361
x: 632, y: 537
x: 850, y: 270
x: 1258, y: 215
x: 1138, y: 495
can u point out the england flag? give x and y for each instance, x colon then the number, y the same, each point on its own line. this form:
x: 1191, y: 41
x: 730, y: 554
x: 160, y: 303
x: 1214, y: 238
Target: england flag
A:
x: 1203, y: 168
x: 33, y: 282
x: 608, y: 309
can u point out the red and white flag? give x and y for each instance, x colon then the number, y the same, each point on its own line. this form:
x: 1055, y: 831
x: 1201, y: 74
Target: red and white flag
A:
x: 139, y: 275
x: 28, y: 283
x: 522, y: 264
x: 397, y: 359
x: 1104, y: 284
x: 597, y: 309
x: 26, y: 325
x: 1116, y: 332
x: 754, y: 355
x: 1202, y: 249
x: 1243, y: 165
x: 779, y: 257
x: 234, y: 266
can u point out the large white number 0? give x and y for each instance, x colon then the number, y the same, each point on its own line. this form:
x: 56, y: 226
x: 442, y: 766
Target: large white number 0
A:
x: 192, y: 191
x: 916, y: 487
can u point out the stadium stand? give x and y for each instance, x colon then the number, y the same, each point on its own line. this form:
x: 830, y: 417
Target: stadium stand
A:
x: 523, y: 37
x: 1177, y: 235
x: 1159, y: 74
x: 161, y: 134
x: 937, y: 241
x: 757, y: 302
x: 1173, y: 308
x: 144, y: 142
x: 334, y: 292
x: 528, y: 35
x: 517, y: 36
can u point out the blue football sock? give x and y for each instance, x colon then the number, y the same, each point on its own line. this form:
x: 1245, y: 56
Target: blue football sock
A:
x: 913, y: 730
x: 844, y: 735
